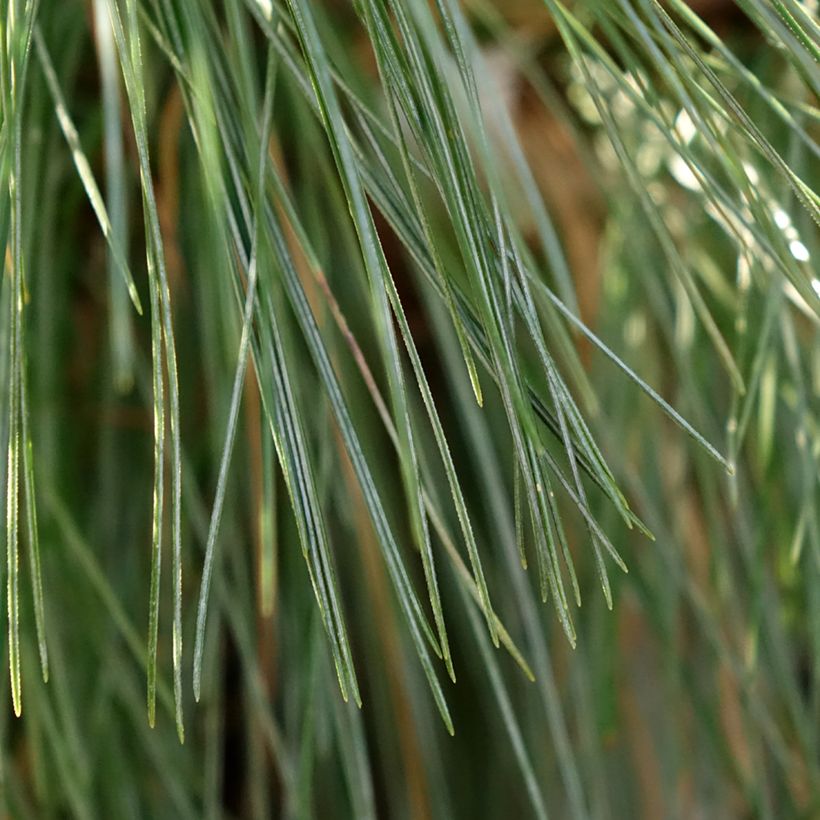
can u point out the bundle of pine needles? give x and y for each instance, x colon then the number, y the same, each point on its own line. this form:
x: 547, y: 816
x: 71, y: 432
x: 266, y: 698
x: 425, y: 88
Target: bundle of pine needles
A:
x: 418, y: 401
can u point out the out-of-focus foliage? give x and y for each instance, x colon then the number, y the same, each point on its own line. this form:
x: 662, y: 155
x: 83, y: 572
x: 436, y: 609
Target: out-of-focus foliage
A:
x: 417, y: 401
